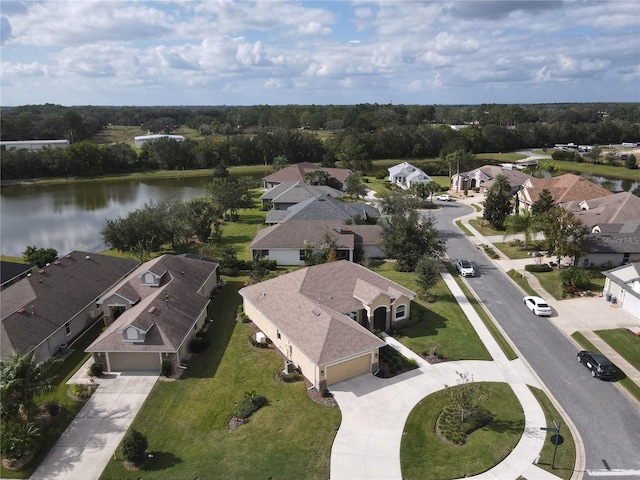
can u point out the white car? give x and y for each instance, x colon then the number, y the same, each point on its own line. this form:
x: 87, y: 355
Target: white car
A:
x: 445, y: 197
x: 464, y: 268
x: 537, y: 305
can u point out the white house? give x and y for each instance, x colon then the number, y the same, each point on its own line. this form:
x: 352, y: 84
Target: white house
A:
x: 623, y: 283
x: 406, y: 175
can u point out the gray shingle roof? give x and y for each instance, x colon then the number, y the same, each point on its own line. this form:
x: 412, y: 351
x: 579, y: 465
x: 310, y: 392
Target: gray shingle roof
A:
x: 168, y: 323
x: 617, y: 208
x: 324, y: 207
x: 296, y: 192
x: 61, y: 291
x: 296, y: 172
x: 308, y: 306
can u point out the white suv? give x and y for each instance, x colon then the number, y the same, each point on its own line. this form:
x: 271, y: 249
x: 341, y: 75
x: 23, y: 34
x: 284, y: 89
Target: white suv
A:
x: 464, y: 268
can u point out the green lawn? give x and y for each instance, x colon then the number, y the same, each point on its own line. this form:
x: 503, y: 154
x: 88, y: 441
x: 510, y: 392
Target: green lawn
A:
x: 501, y: 157
x: 551, y: 282
x: 446, y: 327
x: 424, y: 456
x: 186, y: 420
x: 624, y: 342
x: 464, y: 229
x: 566, y: 452
x: 513, y: 250
x: 522, y: 282
x: 622, y: 379
x: 483, y: 227
x: 604, y: 170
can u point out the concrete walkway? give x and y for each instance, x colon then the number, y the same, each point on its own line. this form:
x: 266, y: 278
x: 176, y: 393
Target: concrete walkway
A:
x: 84, y: 449
x: 374, y: 410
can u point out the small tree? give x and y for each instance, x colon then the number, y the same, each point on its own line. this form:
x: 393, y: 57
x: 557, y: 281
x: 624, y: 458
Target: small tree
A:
x: 575, y: 276
x: 258, y: 271
x: 354, y: 186
x: 631, y: 162
x: 466, y: 396
x: 134, y: 446
x: 427, y: 274
x: 542, y: 204
x: 498, y: 203
x: 565, y: 234
x: 39, y: 256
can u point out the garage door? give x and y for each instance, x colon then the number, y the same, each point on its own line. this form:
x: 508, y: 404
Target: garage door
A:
x: 346, y: 370
x: 631, y: 304
x: 123, y: 362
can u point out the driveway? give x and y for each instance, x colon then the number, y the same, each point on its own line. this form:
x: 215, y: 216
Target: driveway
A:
x: 83, y: 450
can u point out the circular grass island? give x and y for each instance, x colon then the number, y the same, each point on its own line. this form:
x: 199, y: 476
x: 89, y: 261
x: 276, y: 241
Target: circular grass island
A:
x: 426, y: 455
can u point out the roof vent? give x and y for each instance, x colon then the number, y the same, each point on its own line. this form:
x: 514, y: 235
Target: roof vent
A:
x: 41, y: 271
x: 316, y: 312
x: 57, y: 262
x: 67, y: 256
x: 21, y: 311
x: 88, y: 257
x: 151, y: 310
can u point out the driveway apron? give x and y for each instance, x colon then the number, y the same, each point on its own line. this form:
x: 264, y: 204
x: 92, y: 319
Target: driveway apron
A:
x: 83, y: 450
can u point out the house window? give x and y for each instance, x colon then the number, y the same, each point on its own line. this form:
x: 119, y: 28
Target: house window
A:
x: 67, y: 328
x: 625, y: 258
x: 303, y: 254
x: 401, y: 312
x: 260, y: 253
x: 342, y: 254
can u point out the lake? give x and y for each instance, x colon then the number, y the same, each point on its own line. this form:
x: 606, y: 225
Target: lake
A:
x: 70, y: 216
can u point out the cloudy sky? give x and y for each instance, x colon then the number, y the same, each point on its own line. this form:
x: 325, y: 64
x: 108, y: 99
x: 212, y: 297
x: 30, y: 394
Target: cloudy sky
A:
x: 319, y: 52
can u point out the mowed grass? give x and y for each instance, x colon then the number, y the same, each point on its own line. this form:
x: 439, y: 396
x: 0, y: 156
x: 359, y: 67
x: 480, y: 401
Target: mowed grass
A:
x: 483, y: 227
x: 513, y: 250
x: 424, y: 456
x: 551, y: 282
x: 446, y: 327
x: 186, y: 420
x: 624, y: 342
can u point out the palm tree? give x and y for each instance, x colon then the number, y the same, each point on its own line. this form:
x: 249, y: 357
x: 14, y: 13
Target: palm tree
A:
x: 522, y: 223
x: 22, y: 378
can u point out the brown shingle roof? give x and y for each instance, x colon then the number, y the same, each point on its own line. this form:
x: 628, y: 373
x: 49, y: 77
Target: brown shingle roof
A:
x: 63, y: 290
x: 171, y: 321
x: 296, y: 172
x: 308, y: 306
x: 566, y: 188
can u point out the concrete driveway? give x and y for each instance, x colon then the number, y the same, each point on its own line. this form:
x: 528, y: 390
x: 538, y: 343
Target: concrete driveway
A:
x: 83, y: 450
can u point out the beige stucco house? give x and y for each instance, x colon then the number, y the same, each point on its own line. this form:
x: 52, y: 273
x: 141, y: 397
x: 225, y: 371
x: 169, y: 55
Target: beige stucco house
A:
x: 320, y: 318
x: 623, y: 283
x: 154, y: 314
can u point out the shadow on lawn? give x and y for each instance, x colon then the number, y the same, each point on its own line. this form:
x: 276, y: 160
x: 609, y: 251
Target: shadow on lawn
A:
x: 506, y: 426
x: 222, y: 310
x: 161, y: 461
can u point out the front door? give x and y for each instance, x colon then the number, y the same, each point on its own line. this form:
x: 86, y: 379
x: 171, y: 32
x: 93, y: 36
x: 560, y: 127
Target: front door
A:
x: 380, y: 319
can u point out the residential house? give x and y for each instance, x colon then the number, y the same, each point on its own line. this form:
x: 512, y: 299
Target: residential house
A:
x: 483, y: 177
x: 142, y: 139
x: 11, y: 272
x: 319, y: 318
x: 154, y: 314
x: 406, y: 175
x: 49, y: 308
x: 289, y: 242
x: 614, y: 222
x: 297, y: 171
x: 623, y: 283
x: 323, y: 207
x: 564, y: 188
x: 287, y: 194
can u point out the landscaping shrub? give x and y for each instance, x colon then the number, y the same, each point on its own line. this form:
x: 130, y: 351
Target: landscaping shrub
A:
x: 491, y: 253
x: 166, y: 369
x: 134, y: 446
x: 81, y: 390
x: 514, y: 274
x: 535, y: 268
x: 96, y: 369
x: 53, y: 408
x: 249, y: 405
x: 257, y: 344
x: 452, y: 429
x: 289, y: 377
x: 269, y: 264
x: 381, y: 174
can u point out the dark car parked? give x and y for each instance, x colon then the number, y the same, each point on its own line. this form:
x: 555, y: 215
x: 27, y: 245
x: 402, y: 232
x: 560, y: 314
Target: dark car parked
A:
x: 600, y: 366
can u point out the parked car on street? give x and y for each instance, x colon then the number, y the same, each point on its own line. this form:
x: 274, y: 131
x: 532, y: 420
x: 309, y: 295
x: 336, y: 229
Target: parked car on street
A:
x: 464, y: 268
x: 537, y: 305
x: 445, y: 197
x: 600, y: 366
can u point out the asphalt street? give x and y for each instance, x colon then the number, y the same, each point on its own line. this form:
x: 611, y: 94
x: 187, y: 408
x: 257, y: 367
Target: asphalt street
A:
x: 608, y: 422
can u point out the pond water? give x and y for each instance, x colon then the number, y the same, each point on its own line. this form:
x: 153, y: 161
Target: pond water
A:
x: 70, y: 216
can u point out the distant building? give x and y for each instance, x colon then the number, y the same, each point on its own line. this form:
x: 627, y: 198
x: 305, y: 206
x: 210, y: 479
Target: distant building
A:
x: 406, y: 175
x: 33, y: 144
x: 142, y: 139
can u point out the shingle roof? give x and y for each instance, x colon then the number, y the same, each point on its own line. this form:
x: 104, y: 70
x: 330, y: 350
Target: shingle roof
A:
x: 11, y: 270
x: 323, y: 207
x: 296, y: 192
x: 615, y: 238
x: 617, y: 208
x: 308, y: 306
x: 168, y: 312
x: 296, y: 172
x: 62, y: 290
x: 566, y: 188
x: 296, y: 234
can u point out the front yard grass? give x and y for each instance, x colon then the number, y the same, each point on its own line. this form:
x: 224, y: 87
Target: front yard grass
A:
x: 186, y: 420
x: 445, y: 328
x: 424, y: 456
x: 551, y: 282
x: 513, y: 250
x: 624, y: 342
x: 483, y: 227
x: 522, y: 282
x: 622, y: 379
x: 464, y: 229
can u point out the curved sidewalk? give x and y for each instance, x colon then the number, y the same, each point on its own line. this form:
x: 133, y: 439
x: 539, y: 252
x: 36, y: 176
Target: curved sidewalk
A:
x: 374, y: 410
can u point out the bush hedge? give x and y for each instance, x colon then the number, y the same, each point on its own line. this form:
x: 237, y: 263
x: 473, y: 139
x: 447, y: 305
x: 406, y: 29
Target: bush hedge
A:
x: 535, y: 268
x: 134, y: 446
x: 96, y: 369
